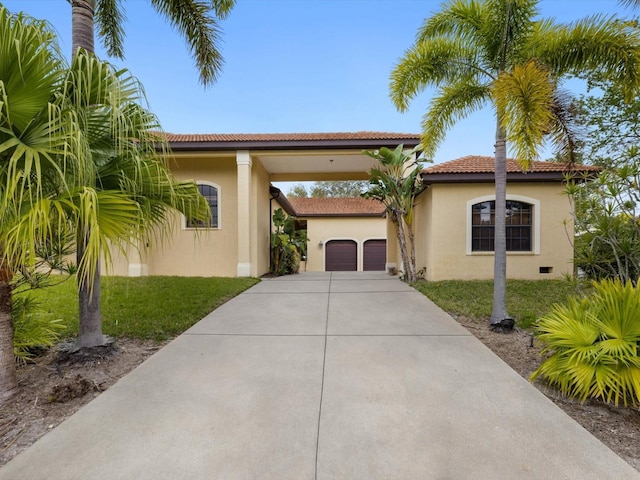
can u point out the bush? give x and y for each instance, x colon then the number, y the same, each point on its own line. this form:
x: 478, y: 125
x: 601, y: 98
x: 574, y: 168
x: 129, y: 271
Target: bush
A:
x: 30, y: 330
x: 593, y: 344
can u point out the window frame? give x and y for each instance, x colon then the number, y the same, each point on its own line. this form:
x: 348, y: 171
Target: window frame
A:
x: 535, y: 224
x: 218, y: 207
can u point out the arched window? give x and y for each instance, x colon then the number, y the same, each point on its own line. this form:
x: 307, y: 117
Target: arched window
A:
x: 519, y: 226
x: 210, y: 193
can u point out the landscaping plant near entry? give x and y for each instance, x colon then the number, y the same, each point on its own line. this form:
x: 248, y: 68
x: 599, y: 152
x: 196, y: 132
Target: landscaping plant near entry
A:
x: 593, y: 344
x: 396, y: 184
x: 288, y: 245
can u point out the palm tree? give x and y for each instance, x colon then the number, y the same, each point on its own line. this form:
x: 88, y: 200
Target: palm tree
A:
x: 124, y: 192
x: 396, y: 185
x: 37, y: 148
x: 496, y: 52
x: 196, y: 20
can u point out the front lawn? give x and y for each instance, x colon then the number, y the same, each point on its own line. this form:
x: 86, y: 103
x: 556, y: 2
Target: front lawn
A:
x: 156, y: 308
x: 526, y: 299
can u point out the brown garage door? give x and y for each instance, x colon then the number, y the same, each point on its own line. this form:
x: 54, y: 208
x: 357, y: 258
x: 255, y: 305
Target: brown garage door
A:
x: 341, y: 256
x: 375, y: 255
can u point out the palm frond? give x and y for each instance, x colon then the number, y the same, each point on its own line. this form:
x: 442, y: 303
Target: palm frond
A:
x: 452, y: 103
x: 525, y: 95
x: 434, y: 62
x: 195, y: 21
x: 109, y: 19
x: 597, y: 45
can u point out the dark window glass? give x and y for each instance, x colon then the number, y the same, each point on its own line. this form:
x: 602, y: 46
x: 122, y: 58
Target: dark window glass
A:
x: 518, y: 221
x: 211, y: 196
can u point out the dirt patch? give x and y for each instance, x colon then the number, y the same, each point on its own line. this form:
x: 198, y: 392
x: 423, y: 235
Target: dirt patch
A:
x: 616, y: 427
x: 56, y: 385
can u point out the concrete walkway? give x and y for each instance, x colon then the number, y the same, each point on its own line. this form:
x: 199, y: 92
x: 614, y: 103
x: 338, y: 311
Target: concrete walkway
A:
x: 321, y: 376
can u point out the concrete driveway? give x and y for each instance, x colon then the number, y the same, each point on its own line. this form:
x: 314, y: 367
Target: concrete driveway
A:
x: 321, y: 376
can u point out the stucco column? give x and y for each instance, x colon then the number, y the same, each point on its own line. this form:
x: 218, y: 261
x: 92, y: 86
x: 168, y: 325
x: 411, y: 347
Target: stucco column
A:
x: 243, y: 162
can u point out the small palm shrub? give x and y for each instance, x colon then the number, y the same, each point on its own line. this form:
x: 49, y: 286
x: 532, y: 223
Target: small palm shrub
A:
x: 30, y: 330
x: 593, y: 344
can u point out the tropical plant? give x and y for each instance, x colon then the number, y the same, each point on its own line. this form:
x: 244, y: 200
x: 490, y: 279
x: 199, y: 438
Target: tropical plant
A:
x: 38, y: 149
x: 496, y: 52
x: 125, y: 192
x: 605, y: 215
x: 30, y: 330
x: 196, y: 20
x: 606, y: 208
x: 592, y: 344
x: 288, y: 245
x: 396, y: 183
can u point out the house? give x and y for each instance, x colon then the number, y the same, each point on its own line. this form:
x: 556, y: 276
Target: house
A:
x: 235, y: 172
x: 453, y: 225
x: 454, y: 220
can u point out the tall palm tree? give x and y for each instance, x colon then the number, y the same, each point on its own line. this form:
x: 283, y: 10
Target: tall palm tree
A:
x: 498, y: 53
x: 125, y: 191
x: 37, y: 151
x: 196, y: 20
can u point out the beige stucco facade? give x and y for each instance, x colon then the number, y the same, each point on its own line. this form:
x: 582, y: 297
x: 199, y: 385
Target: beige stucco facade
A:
x: 243, y: 167
x: 242, y: 226
x: 321, y: 230
x: 443, y: 232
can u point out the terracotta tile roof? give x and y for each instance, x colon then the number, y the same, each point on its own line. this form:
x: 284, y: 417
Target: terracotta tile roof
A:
x: 279, y: 137
x: 481, y: 164
x: 338, y: 207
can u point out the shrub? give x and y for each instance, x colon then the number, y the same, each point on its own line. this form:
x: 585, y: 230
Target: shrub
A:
x: 593, y: 344
x: 30, y: 330
x: 288, y: 245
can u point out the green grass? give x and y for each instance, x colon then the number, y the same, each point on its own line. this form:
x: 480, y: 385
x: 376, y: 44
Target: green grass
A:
x: 143, y: 307
x: 526, y: 300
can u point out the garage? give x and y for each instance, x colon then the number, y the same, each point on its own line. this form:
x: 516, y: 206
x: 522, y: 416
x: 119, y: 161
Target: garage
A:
x: 374, y: 255
x: 341, y: 256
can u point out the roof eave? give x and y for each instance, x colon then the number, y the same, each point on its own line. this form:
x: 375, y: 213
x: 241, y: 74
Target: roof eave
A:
x: 306, y: 215
x: 336, y: 144
x: 486, y: 177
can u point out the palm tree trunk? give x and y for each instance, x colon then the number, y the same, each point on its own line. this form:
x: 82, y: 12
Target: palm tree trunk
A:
x: 500, y: 320
x: 402, y: 243
x: 90, y: 328
x: 8, y: 379
x: 412, y: 247
x: 82, y: 33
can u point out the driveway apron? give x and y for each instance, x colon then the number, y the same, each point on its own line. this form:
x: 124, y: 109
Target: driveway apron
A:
x: 319, y: 376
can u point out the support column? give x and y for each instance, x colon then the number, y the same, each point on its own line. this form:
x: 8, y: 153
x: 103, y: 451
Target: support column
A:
x: 243, y: 162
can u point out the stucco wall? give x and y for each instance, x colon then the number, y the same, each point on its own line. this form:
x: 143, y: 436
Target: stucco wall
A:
x: 444, y: 226
x: 323, y: 229
x: 204, y: 252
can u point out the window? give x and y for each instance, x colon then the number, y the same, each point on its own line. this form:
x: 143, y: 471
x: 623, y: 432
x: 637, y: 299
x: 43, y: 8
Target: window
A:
x: 519, y: 226
x: 210, y: 193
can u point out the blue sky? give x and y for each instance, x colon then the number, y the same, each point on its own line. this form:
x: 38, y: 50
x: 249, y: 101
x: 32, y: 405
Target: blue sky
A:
x: 293, y: 66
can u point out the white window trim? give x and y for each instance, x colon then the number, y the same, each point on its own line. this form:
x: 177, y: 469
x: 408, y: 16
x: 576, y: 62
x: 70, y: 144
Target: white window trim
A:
x: 535, y: 226
x: 219, y: 227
